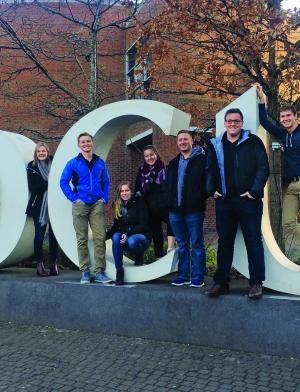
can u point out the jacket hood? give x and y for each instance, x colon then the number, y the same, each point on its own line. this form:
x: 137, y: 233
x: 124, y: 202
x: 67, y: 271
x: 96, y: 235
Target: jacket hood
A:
x: 196, y: 150
x: 218, y: 146
x: 245, y: 134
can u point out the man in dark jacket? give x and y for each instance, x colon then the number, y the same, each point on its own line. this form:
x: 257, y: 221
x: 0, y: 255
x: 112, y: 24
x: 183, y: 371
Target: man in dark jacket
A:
x: 90, y: 191
x: 289, y: 136
x: 237, y: 173
x: 187, y: 193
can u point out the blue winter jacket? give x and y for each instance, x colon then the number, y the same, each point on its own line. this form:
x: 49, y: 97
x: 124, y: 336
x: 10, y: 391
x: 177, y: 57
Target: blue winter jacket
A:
x: 88, y: 186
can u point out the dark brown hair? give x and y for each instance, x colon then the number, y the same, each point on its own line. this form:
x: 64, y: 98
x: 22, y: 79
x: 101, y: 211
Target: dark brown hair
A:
x: 288, y: 108
x: 234, y: 110
x: 185, y: 131
x: 84, y: 134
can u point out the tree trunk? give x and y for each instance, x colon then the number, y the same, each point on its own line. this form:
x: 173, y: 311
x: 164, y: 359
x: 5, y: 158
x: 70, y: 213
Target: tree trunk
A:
x: 275, y: 155
x: 92, y: 101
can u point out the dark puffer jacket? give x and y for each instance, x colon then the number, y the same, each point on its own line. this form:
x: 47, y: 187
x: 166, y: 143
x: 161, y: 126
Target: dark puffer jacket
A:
x: 134, y: 222
x: 37, y: 187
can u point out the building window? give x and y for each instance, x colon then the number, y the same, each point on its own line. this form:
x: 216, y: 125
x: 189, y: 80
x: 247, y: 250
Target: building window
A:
x: 137, y: 75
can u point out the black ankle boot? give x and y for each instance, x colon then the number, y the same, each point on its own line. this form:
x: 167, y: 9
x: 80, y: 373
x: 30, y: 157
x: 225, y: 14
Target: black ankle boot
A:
x: 54, y: 268
x: 40, y: 269
x: 139, y: 259
x: 120, y: 277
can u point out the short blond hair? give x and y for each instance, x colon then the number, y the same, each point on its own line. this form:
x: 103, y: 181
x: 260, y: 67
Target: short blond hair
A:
x: 40, y: 144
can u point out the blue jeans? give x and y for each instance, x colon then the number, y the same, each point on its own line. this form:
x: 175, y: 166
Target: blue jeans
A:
x: 188, y: 228
x: 247, y: 213
x: 38, y: 242
x: 136, y: 244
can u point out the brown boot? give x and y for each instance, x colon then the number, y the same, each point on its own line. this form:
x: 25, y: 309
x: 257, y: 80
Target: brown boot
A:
x: 120, y: 277
x: 40, y: 269
x: 217, y: 289
x: 54, y: 269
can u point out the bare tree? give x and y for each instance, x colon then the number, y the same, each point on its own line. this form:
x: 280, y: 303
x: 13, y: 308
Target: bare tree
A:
x: 60, y: 60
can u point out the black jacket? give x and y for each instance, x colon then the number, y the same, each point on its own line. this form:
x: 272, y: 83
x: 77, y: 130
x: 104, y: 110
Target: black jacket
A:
x: 194, y: 191
x: 37, y: 187
x: 134, y: 222
x: 156, y: 198
x: 251, y: 168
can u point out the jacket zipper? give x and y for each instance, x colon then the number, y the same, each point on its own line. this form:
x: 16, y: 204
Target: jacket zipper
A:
x: 34, y: 200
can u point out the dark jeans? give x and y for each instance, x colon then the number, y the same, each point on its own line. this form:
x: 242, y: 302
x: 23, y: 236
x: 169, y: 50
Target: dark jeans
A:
x: 247, y: 213
x: 38, y: 242
x: 136, y: 244
x: 188, y: 228
x: 155, y: 223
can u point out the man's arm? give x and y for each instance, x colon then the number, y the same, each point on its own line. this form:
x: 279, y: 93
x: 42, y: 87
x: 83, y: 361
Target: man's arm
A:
x: 105, y: 184
x: 262, y: 170
x: 211, y: 185
x: 264, y: 119
x: 65, y: 182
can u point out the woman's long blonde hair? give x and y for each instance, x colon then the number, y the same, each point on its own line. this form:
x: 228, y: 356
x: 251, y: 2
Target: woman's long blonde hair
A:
x: 118, y: 201
x: 40, y: 144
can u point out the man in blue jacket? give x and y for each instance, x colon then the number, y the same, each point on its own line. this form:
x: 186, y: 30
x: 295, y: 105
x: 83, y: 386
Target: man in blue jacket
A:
x: 88, y: 194
x: 289, y: 136
x: 237, y: 173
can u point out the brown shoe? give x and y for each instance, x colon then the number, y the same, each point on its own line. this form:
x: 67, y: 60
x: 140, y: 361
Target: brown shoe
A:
x: 217, y: 289
x: 54, y: 269
x: 40, y: 269
x: 255, y: 291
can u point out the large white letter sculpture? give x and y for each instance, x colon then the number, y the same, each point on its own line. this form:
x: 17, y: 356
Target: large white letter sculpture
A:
x: 281, y: 273
x: 16, y: 230
x: 105, y: 124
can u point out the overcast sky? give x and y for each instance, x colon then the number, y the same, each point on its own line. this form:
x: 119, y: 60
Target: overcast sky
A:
x: 290, y: 4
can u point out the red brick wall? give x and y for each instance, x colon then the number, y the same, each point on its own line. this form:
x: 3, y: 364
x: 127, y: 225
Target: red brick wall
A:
x: 123, y: 162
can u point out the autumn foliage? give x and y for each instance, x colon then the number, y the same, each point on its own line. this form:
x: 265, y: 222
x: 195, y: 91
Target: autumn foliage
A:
x: 218, y: 48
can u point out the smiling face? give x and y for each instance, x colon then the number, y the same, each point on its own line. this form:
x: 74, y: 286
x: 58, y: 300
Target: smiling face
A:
x: 42, y: 153
x: 288, y: 119
x: 184, y: 142
x: 233, y: 124
x: 85, y: 143
x: 125, y: 192
x: 150, y: 157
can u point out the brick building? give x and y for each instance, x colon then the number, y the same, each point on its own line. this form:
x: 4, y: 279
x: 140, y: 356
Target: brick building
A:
x: 23, y: 98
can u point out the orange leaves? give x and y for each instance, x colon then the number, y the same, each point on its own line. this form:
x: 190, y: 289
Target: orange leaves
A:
x: 218, y: 46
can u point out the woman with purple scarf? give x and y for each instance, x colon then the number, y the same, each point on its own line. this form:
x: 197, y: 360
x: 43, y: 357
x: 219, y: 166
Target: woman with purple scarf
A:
x: 37, y: 175
x: 150, y: 182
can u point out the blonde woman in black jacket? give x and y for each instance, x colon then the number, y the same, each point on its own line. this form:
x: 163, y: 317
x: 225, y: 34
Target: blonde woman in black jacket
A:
x: 130, y: 230
x: 37, y: 175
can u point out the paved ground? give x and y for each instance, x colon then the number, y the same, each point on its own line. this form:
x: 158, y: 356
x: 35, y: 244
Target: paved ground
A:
x: 46, y: 359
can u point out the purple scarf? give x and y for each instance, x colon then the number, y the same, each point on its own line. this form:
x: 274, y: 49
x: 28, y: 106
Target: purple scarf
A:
x: 151, y: 174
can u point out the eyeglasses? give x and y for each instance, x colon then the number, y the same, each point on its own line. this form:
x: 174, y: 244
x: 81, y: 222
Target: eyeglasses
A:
x: 233, y: 121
